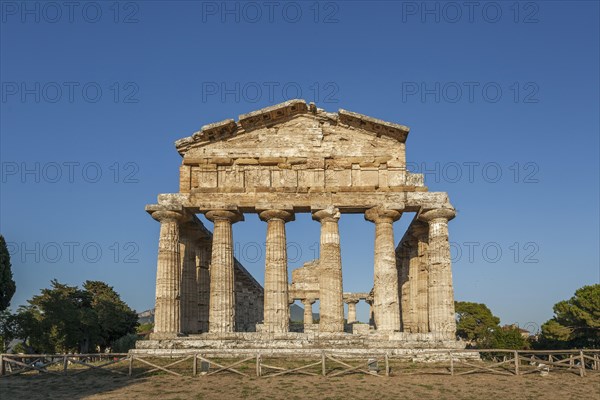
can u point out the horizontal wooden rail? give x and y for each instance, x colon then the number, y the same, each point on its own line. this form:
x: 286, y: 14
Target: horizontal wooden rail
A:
x: 452, y: 362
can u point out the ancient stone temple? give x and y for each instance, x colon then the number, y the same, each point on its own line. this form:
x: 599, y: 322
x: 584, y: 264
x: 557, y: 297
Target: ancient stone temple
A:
x: 277, y: 162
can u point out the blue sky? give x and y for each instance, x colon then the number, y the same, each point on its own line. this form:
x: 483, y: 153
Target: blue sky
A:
x: 502, y: 100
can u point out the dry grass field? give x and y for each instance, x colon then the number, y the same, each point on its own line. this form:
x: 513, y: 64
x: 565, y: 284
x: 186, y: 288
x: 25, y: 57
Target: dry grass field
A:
x: 101, y: 385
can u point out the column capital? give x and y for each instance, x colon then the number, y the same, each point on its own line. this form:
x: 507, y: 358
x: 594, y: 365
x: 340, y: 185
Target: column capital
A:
x: 284, y: 215
x: 308, y: 301
x: 437, y: 213
x: 330, y: 213
x: 167, y: 215
x: 380, y: 214
x: 232, y: 216
x: 351, y: 301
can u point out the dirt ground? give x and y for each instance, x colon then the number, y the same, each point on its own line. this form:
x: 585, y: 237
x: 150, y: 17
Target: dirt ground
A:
x: 98, y: 385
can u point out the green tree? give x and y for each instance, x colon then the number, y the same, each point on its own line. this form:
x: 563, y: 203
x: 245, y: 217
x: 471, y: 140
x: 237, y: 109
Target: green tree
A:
x: 60, y: 319
x: 475, y: 322
x: 68, y: 319
x: 576, y: 322
x: 114, y: 317
x: 508, y: 337
x: 8, y: 329
x: 7, y: 284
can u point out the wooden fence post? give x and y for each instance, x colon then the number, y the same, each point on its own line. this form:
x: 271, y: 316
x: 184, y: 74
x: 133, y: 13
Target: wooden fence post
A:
x: 451, y: 363
x: 130, y: 364
x: 517, y: 362
x: 571, y: 361
x: 195, y: 365
x: 2, y: 365
x: 65, y: 364
x: 582, y: 362
x: 323, y: 364
x: 258, y: 364
x: 387, y: 365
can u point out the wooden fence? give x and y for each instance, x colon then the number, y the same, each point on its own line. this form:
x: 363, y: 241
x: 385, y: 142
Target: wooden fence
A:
x: 328, y: 364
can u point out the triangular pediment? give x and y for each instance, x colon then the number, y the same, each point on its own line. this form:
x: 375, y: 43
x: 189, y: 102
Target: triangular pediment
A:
x: 293, y: 123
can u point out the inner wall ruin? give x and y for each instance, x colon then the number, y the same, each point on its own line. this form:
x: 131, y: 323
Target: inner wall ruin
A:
x: 276, y: 162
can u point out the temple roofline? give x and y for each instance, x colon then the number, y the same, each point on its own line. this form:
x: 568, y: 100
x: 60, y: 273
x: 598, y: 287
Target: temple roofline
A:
x: 277, y: 113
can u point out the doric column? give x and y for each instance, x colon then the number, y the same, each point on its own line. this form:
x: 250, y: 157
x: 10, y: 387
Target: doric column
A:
x: 308, y: 312
x: 189, y: 291
x: 409, y: 311
x: 441, y: 297
x: 371, y: 315
x: 352, y: 311
x: 203, y: 251
x: 222, y: 283
x: 402, y: 266
x: 330, y: 268
x: 420, y: 233
x: 386, y: 303
x: 276, y: 308
x: 167, y: 312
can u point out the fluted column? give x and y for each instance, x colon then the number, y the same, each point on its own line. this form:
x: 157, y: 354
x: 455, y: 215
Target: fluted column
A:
x: 276, y: 308
x: 385, y: 288
x: 330, y: 267
x: 222, y: 282
x: 308, y: 312
x: 167, y: 312
x: 203, y: 251
x: 352, y: 311
x: 402, y: 265
x: 371, y: 315
x: 410, y: 300
x: 420, y: 233
x: 189, y: 292
x: 441, y: 296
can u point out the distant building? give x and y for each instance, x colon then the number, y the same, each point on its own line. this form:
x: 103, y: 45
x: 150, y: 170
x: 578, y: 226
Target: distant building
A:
x: 524, y: 332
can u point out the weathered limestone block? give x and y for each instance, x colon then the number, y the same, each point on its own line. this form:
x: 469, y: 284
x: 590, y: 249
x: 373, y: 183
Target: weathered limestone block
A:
x: 230, y: 177
x: 311, y: 178
x: 336, y: 178
x: 276, y: 308
x: 330, y: 266
x: 365, y: 176
x: 415, y: 179
x: 222, y: 301
x: 440, y: 292
x: 360, y: 329
x: 396, y: 176
x: 386, y: 303
x: 257, y: 177
x: 284, y: 178
x: 204, y: 176
x: 185, y: 178
x: 167, y: 315
x: 306, y: 278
